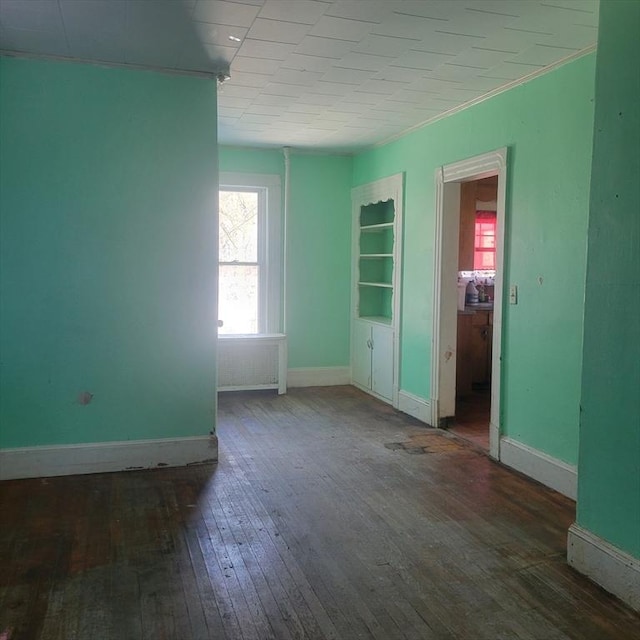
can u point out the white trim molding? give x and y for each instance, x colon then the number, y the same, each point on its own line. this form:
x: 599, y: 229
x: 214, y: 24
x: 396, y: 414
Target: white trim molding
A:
x: 103, y: 457
x: 414, y: 406
x: 444, y: 340
x: 613, y: 569
x: 270, y: 222
x: 490, y: 94
x: 220, y: 74
x: 551, y: 472
x: 318, y: 376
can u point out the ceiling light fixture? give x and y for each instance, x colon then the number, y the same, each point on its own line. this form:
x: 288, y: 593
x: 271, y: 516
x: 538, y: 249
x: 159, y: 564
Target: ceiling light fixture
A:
x: 234, y: 39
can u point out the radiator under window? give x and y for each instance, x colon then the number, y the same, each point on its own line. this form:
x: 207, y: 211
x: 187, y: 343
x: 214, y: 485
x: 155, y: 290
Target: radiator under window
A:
x: 252, y: 362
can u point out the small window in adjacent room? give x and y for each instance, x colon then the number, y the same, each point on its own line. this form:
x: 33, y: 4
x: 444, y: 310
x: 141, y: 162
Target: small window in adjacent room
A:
x: 484, y: 255
x: 249, y: 254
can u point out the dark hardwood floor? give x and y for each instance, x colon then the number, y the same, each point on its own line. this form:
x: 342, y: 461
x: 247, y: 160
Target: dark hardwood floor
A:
x: 473, y: 414
x: 329, y: 515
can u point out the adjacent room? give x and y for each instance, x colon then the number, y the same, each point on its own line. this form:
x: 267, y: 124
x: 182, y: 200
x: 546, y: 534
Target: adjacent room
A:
x: 319, y: 319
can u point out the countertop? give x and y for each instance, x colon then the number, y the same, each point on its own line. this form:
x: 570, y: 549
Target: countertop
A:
x: 470, y: 309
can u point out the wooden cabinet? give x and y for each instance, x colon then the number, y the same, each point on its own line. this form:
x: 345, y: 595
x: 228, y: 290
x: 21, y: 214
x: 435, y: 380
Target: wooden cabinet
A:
x: 464, y: 371
x: 377, y: 214
x: 474, y: 346
x: 481, y: 342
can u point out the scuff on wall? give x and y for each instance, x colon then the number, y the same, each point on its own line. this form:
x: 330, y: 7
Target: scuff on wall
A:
x: 84, y: 398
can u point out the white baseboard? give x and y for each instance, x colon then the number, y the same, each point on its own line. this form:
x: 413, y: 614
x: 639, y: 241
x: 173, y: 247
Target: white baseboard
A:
x: 413, y: 405
x: 101, y: 457
x: 318, y: 376
x: 549, y: 471
x: 613, y: 569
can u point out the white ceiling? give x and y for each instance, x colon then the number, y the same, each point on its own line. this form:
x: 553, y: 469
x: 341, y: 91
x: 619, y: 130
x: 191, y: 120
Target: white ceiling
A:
x: 324, y: 74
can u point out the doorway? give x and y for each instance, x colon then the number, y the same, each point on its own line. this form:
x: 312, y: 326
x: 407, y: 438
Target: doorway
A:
x: 476, y: 294
x: 482, y: 322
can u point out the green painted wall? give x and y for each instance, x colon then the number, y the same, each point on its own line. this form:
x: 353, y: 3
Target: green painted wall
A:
x: 609, y: 465
x: 547, y: 125
x: 108, y: 182
x: 318, y: 250
x: 319, y: 261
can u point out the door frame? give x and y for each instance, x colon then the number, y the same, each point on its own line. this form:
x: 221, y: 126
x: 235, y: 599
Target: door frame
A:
x: 443, y: 362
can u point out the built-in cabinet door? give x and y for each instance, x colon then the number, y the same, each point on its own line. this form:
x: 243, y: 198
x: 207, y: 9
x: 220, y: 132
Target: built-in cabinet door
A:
x: 372, y: 361
x: 361, y: 358
x: 382, y: 361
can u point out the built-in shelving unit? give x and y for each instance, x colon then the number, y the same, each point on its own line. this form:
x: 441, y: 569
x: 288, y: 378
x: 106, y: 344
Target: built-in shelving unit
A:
x: 377, y: 215
x: 376, y: 229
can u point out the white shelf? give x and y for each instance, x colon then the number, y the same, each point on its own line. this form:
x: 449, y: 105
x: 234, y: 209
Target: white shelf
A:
x: 376, y: 255
x: 377, y: 319
x: 377, y: 227
x: 375, y: 284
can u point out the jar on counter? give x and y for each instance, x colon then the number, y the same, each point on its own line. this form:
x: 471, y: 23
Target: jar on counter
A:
x: 472, y: 293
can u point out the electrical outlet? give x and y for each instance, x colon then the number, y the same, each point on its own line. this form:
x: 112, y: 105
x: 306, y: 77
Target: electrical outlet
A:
x: 513, y: 294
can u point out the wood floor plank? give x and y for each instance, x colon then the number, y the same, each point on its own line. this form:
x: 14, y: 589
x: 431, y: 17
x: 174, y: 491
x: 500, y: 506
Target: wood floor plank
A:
x: 343, y: 570
x: 241, y: 591
x: 329, y: 516
x: 288, y: 605
x: 216, y: 576
x: 318, y: 596
x: 320, y: 619
x: 201, y: 590
x: 388, y: 631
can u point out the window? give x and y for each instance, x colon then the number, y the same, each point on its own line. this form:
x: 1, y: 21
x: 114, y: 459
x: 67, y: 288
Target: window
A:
x: 484, y: 254
x: 249, y: 270
x: 239, y: 269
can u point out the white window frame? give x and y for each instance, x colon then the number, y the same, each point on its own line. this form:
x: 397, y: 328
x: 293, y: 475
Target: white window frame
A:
x: 269, y: 188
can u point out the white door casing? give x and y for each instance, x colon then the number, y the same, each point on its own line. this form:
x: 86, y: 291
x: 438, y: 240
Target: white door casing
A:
x: 449, y: 300
x: 443, y: 362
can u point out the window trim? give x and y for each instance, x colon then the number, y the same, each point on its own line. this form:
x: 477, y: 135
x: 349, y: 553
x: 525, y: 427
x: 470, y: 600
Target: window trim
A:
x: 269, y: 242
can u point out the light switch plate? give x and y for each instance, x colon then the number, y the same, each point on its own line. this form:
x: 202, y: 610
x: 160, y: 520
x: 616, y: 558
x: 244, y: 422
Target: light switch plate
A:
x: 513, y: 294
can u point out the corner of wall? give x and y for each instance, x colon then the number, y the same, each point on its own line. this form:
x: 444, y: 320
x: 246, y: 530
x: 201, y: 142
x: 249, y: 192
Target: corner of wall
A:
x: 415, y: 406
x: 551, y: 472
x: 611, y: 568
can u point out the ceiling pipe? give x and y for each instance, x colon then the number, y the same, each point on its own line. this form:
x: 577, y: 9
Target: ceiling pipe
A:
x: 285, y: 215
